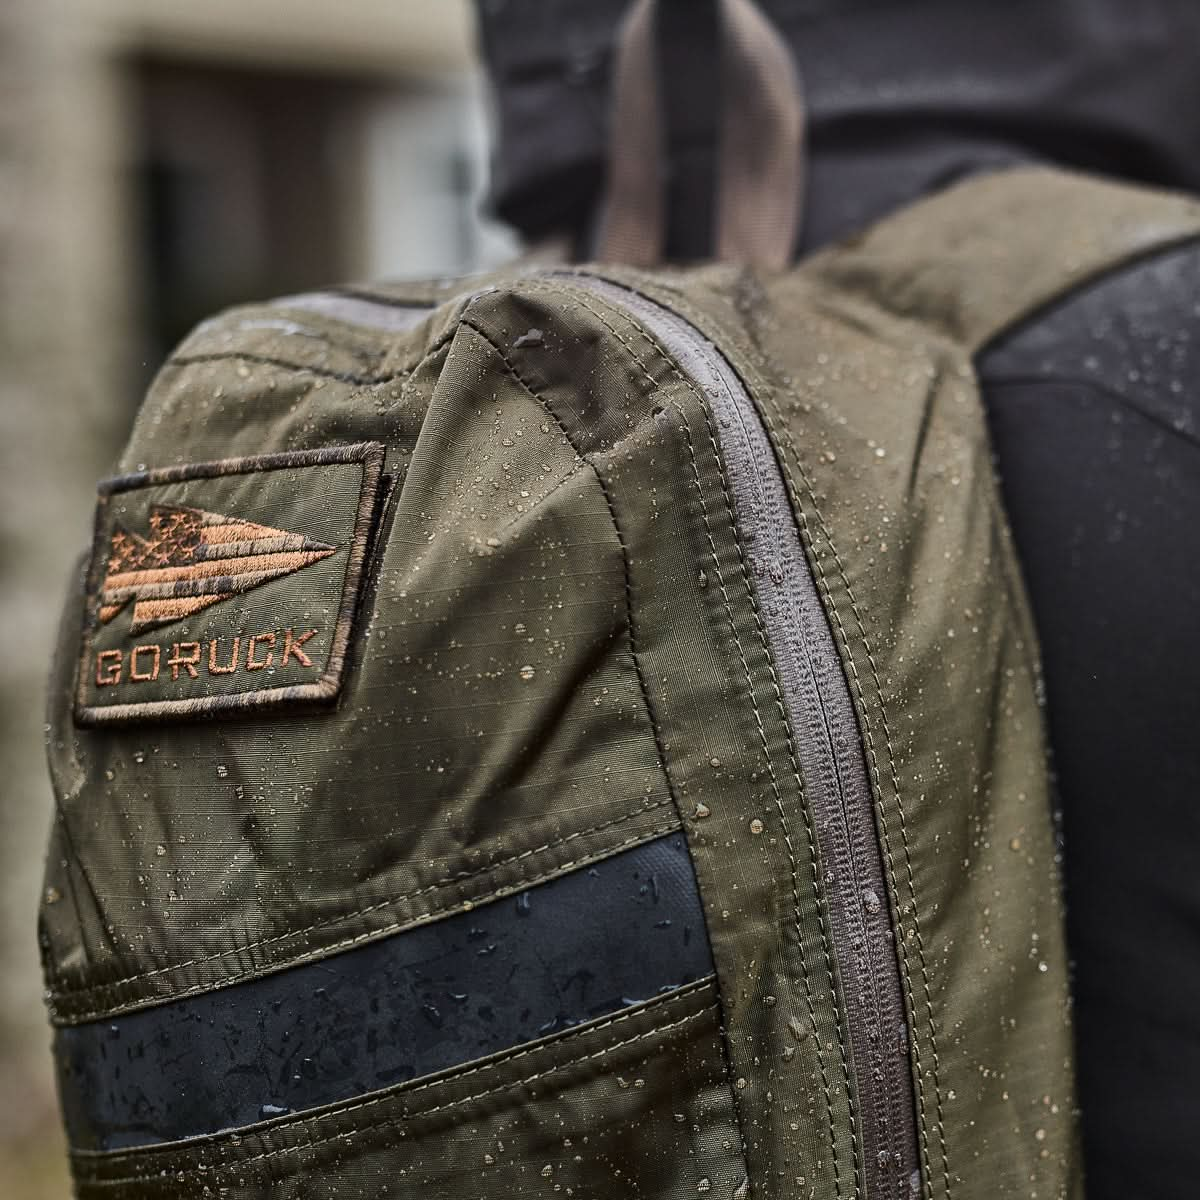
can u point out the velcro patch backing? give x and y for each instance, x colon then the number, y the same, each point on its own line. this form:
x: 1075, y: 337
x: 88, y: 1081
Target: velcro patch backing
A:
x: 226, y: 586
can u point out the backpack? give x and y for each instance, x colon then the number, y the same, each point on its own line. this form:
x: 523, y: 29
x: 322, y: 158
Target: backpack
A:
x: 576, y: 730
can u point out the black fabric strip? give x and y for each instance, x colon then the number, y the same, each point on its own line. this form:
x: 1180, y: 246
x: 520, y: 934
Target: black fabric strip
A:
x: 579, y: 947
x: 690, y: 81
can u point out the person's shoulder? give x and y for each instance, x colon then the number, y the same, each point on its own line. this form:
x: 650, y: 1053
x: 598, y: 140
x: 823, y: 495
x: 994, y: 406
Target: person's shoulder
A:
x: 1136, y: 320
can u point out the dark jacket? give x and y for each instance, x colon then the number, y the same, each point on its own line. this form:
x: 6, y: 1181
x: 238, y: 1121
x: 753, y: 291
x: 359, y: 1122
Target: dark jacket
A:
x: 902, y: 97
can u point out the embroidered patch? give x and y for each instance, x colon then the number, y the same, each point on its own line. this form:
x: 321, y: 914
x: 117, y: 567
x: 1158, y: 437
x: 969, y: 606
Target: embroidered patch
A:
x: 226, y: 586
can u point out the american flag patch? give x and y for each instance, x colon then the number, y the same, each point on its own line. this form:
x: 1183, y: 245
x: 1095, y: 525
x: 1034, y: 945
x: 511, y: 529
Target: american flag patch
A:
x: 227, y: 586
x: 191, y: 559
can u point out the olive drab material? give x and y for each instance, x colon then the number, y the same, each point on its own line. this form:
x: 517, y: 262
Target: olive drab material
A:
x: 410, y: 600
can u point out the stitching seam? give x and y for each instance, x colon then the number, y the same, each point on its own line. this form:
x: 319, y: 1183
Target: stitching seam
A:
x: 192, y: 360
x: 787, y: 838
x: 113, y: 987
x: 629, y: 608
x: 108, y: 988
x: 266, y: 360
x: 785, y: 436
x: 612, y: 514
x: 323, y: 1118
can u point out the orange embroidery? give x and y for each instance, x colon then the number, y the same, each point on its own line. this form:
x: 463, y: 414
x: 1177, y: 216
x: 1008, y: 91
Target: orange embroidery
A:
x: 137, y: 676
x: 188, y: 662
x: 161, y: 560
x: 291, y: 647
x: 193, y: 559
x: 253, y: 662
x: 108, y: 667
x: 228, y: 668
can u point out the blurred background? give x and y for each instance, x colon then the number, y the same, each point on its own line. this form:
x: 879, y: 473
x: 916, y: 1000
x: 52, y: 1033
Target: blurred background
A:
x: 160, y: 159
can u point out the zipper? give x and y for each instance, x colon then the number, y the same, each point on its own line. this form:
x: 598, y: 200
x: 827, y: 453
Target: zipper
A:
x: 828, y: 746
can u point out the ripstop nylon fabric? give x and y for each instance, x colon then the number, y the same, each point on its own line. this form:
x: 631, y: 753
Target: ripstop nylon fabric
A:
x: 559, y: 653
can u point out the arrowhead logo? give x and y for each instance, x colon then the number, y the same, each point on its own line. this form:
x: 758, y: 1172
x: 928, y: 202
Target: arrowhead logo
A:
x: 193, y: 559
x: 173, y: 543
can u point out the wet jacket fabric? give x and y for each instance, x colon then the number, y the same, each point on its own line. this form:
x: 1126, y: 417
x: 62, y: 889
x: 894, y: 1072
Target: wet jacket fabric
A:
x: 1095, y: 421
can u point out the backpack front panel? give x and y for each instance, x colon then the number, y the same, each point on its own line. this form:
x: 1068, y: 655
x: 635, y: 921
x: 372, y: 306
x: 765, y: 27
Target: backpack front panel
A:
x: 560, y: 653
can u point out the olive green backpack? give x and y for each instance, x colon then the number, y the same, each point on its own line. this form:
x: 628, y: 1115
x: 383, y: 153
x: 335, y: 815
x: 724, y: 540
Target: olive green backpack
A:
x: 412, y: 600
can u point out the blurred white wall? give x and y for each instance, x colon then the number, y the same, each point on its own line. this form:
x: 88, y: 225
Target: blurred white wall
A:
x: 437, y: 133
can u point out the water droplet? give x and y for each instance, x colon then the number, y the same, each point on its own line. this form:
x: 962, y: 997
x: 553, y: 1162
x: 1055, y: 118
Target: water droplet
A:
x: 160, y: 850
x: 527, y: 672
x: 222, y: 771
x: 871, y: 902
x: 756, y: 826
x: 704, y: 1185
x: 532, y: 337
x: 53, y: 895
x: 701, y: 811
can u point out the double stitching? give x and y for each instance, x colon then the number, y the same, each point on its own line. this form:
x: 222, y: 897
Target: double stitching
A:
x: 93, y: 998
x: 785, y: 436
x: 88, y: 1161
x: 629, y: 619
x: 115, y: 986
x: 775, y: 792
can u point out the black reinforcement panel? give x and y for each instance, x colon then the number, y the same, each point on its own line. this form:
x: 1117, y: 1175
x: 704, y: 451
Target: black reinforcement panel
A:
x: 564, y: 952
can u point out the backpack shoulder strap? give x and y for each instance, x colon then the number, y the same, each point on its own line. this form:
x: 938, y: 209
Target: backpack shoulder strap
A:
x: 978, y: 257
